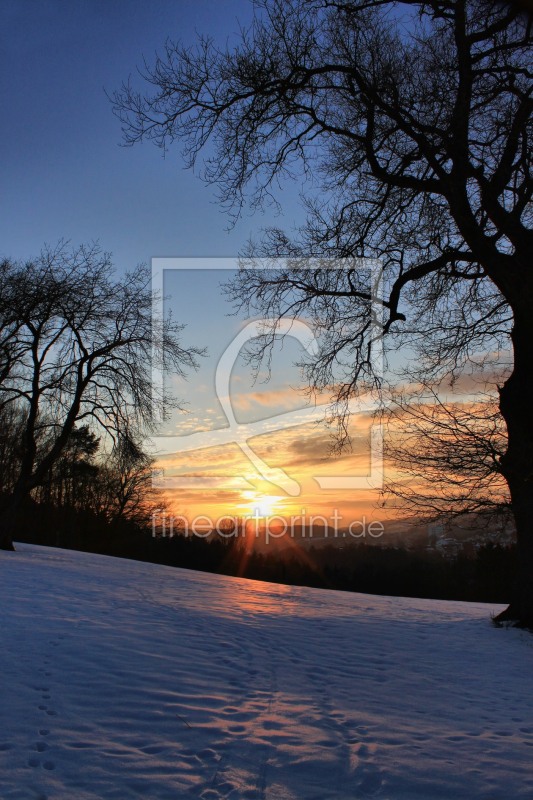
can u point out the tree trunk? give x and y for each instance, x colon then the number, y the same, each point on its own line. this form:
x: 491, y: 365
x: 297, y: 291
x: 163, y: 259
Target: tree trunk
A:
x: 6, y: 536
x: 7, y: 527
x: 516, y: 405
x: 9, y: 517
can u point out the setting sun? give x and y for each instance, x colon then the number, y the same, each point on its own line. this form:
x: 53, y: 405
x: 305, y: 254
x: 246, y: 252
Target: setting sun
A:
x: 264, y: 505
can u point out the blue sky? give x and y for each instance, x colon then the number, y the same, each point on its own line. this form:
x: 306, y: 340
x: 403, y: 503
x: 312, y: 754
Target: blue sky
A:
x: 65, y: 176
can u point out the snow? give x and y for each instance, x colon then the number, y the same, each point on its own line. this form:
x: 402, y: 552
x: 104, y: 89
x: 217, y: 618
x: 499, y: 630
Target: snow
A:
x: 129, y: 680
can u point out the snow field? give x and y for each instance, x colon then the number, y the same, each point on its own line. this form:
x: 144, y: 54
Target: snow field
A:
x: 127, y: 680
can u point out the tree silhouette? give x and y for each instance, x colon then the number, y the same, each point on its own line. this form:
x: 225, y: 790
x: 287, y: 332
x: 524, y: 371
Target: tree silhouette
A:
x: 126, y: 484
x: 445, y: 457
x: 76, y: 349
x: 413, y: 122
x: 70, y: 479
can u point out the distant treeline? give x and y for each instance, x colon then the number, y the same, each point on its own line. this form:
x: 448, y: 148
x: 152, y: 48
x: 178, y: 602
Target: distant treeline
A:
x: 487, y: 577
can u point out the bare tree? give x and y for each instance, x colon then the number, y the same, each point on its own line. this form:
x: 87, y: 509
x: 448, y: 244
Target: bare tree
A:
x: 76, y: 348
x: 70, y: 480
x: 114, y: 486
x: 126, y: 491
x: 444, y: 457
x: 12, y: 423
x: 413, y: 121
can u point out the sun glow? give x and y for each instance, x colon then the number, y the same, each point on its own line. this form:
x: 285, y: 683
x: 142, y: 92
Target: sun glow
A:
x: 264, y: 505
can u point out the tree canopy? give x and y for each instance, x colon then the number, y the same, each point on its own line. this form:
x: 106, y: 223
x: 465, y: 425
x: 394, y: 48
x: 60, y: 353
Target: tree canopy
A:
x: 411, y: 123
x: 77, y: 347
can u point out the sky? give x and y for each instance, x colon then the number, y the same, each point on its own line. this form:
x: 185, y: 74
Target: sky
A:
x: 66, y: 176
x: 64, y: 173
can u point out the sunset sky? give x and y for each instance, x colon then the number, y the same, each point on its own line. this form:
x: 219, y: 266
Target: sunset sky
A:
x: 66, y: 177
x: 283, y: 427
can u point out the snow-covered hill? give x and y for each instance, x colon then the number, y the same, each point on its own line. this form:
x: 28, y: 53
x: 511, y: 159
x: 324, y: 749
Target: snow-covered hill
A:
x: 127, y: 680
